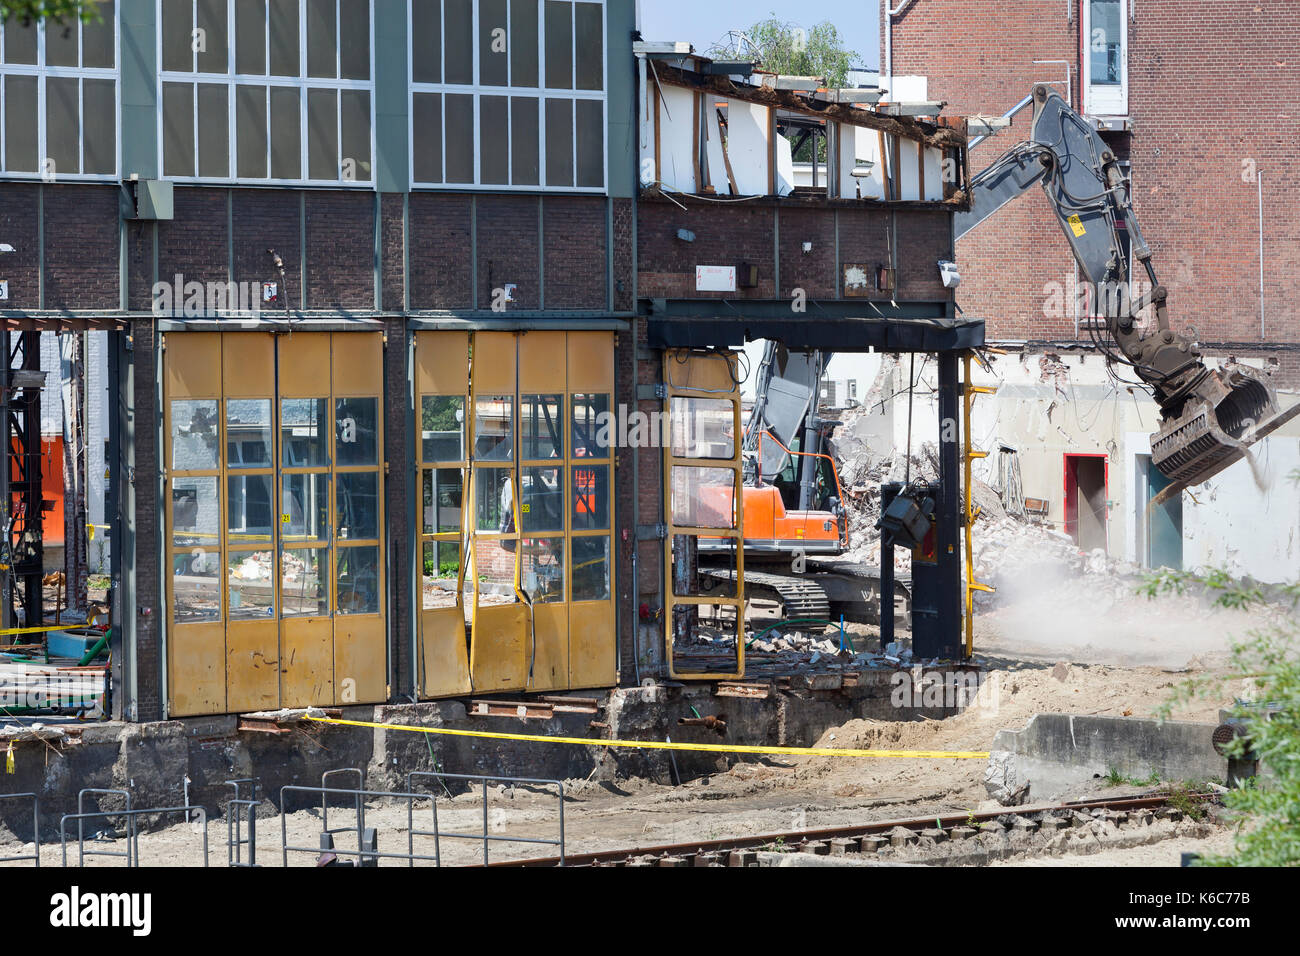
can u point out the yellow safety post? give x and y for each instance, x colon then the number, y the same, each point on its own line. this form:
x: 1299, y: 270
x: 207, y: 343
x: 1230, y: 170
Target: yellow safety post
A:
x: 968, y: 393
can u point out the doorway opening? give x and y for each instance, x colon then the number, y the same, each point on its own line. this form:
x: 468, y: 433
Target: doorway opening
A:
x: 1086, y: 505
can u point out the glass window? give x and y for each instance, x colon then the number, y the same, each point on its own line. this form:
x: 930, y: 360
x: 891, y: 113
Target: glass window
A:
x: 196, y: 511
x: 356, y: 424
x: 542, y: 427
x: 541, y: 500
x: 250, y: 509
x: 493, y: 579
x: 441, y: 567
x: 304, y: 506
x: 591, y: 568
x: 559, y: 45
x: 303, y: 582
x: 303, y: 436
x: 250, y: 585
x: 703, y: 497
x: 541, y: 569
x: 702, y: 427
x: 358, y: 580
x: 442, y: 427
x: 195, y: 444
x: 196, y: 586
x: 493, y: 48
x: 592, y: 426
x: 591, y: 497
x: 494, y: 425
x: 248, y: 433
x: 358, y: 505
x: 493, y: 500
x: 443, y: 490
x: 1106, y: 43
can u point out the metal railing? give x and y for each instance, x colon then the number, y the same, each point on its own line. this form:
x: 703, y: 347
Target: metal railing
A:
x: 360, y: 806
x: 486, y: 836
x: 235, y: 811
x: 82, y: 816
x: 132, y: 853
x: 362, y: 852
x: 35, y: 856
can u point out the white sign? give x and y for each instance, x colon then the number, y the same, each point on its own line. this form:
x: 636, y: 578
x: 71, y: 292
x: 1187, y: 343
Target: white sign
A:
x: 715, y: 278
x: 270, y: 291
x: 4, y: 289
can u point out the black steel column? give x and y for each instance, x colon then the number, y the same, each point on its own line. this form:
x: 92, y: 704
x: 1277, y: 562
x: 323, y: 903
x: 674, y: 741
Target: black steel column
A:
x: 888, y: 492
x: 945, y: 641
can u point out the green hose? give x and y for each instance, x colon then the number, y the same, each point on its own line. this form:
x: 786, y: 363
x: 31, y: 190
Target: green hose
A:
x: 94, y: 650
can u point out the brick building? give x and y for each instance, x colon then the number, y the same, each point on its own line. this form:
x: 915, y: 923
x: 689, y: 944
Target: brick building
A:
x: 1195, y: 98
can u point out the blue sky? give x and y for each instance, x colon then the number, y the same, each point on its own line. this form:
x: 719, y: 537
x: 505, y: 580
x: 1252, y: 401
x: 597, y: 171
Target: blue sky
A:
x: 704, y: 21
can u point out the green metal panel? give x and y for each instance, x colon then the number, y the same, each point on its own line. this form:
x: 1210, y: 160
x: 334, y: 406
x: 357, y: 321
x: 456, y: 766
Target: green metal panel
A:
x: 1164, y: 525
x: 392, y: 125
x: 139, y: 90
x: 620, y: 21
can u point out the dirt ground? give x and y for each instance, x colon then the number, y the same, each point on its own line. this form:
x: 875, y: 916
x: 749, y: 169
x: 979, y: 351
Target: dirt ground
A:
x: 773, y: 795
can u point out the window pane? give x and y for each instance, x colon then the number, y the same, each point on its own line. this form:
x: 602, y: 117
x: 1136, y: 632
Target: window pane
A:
x: 250, y: 585
x: 460, y: 138
x: 99, y: 129
x: 177, y: 41
x: 442, y: 427
x: 322, y: 43
x: 20, y: 124
x: 592, y: 426
x: 20, y: 42
x: 1106, y: 43
x: 525, y: 169
x: 523, y: 43
x: 559, y: 142
x: 61, y: 42
x: 250, y: 37
x: 196, y: 512
x: 589, y: 41
x: 559, y: 44
x: 250, y: 131
x: 358, y: 580
x: 493, y: 48
x: 541, y: 500
x: 494, y: 130
x: 97, y: 39
x: 248, y: 433
x: 426, y: 124
x: 493, y: 580
x: 286, y: 134
x: 591, y: 142
x: 61, y: 145
x: 542, y: 421
x: 303, y: 432
x: 210, y: 44
x: 358, y: 505
x: 305, y: 503
x: 356, y: 423
x: 426, y: 41
x: 354, y: 33
x: 541, y: 569
x: 590, y: 497
x: 441, y: 571
x: 443, y: 489
x: 458, y: 41
x: 493, y: 501
x: 214, y: 131
x: 494, y: 423
x: 303, y: 582
x: 178, y: 129
x: 702, y: 428
x: 322, y: 135
x: 355, y: 121
x: 590, y: 569
x: 196, y: 594
x: 250, y: 509
x: 703, y: 497
x: 283, y: 45
x: 194, y: 434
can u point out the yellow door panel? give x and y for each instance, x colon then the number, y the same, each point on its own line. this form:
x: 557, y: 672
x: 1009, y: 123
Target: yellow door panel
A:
x: 248, y: 364
x: 591, y: 361
x: 307, y: 662
x: 497, y: 658
x: 252, y: 666
x: 541, y: 362
x: 592, y: 661
x: 358, y: 363
x: 446, y: 658
x: 551, y: 658
x: 305, y: 364
x: 193, y: 365
x: 360, y: 663
x: 710, y: 372
x: 196, y: 669
x: 442, y: 363
x: 494, y: 363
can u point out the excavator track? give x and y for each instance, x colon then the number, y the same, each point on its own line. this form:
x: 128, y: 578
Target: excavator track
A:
x: 800, y: 597
x: 827, y: 590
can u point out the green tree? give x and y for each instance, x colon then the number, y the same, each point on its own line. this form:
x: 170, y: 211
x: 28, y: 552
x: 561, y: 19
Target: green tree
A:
x: 60, y: 11
x: 784, y: 47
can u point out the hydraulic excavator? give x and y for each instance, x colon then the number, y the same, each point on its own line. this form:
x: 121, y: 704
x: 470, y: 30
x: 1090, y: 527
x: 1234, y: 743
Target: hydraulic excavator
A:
x: 1209, y: 418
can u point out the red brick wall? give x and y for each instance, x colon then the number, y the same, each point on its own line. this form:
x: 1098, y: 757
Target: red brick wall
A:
x: 19, y: 226
x: 80, y: 221
x: 193, y: 244
x: 392, y: 250
x: 340, y: 250
x: 573, y: 231
x: 724, y: 236
x: 508, y: 250
x: 439, y: 235
x: 1209, y: 86
x: 268, y: 219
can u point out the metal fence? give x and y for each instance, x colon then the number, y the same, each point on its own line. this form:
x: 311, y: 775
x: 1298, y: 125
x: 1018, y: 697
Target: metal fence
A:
x: 487, y: 837
x: 35, y: 856
x: 132, y: 853
x: 236, y: 826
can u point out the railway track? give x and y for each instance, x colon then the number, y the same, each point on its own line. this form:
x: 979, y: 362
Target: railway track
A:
x: 870, y: 837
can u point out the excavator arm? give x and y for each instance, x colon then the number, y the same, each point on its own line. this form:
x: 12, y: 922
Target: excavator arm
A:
x: 1209, y: 418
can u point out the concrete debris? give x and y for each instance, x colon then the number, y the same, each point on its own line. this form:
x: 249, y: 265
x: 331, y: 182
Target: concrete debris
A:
x: 1000, y: 780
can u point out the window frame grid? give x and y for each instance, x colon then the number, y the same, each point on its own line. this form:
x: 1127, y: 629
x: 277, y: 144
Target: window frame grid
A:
x: 42, y: 73
x: 265, y: 81
x: 541, y: 93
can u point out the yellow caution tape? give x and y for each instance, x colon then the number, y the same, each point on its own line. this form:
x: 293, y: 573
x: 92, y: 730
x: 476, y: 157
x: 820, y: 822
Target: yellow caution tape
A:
x: 40, y: 630
x: 666, y: 745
